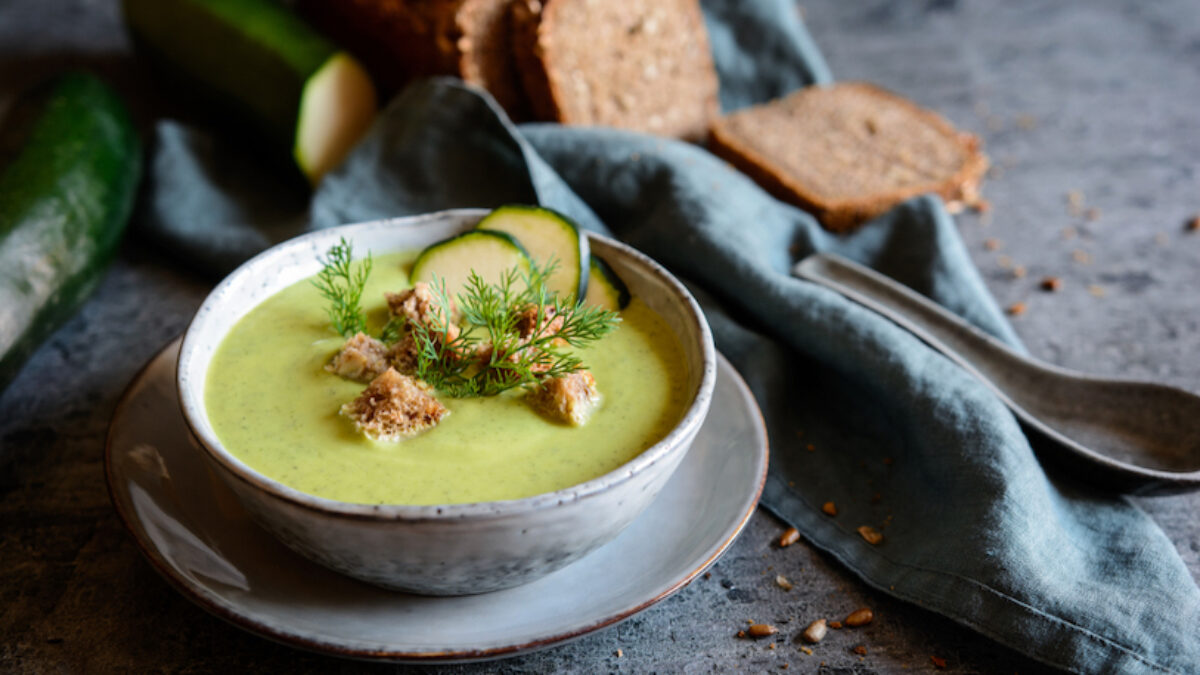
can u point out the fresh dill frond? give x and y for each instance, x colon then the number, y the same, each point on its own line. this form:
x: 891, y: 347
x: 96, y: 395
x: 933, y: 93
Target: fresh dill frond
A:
x: 342, y: 286
x: 489, y: 354
x: 393, y: 330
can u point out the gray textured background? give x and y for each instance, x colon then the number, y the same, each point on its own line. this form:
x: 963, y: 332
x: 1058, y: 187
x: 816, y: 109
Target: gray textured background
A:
x: 1100, y: 97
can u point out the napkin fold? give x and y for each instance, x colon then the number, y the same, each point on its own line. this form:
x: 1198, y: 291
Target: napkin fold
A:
x: 859, y: 412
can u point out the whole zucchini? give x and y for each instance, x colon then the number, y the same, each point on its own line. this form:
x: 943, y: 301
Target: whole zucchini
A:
x: 66, y: 191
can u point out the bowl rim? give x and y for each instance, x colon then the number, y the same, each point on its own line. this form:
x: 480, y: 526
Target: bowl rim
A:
x: 675, y: 440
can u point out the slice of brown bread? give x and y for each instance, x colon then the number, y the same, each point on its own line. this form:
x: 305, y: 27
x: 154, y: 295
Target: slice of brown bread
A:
x: 850, y: 151
x: 636, y: 64
x: 400, y: 40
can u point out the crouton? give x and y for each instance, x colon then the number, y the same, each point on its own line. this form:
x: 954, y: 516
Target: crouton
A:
x: 419, y: 304
x: 545, y: 323
x: 394, y: 407
x: 362, y: 358
x: 403, y: 355
x: 569, y: 399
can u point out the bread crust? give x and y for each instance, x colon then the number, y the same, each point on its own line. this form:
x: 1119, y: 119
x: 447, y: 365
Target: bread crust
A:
x: 845, y: 214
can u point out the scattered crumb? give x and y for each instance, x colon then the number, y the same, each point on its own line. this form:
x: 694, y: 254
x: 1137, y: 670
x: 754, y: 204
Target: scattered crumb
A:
x: 870, y: 534
x: 1193, y: 224
x: 861, y: 650
x: 761, y: 630
x: 620, y: 653
x: 1018, y: 271
x: 1004, y: 261
x: 1051, y: 284
x: 860, y: 617
x: 1026, y: 121
x: 782, y: 582
x: 784, y: 666
x: 829, y: 508
x: 1075, y: 202
x: 741, y: 633
x: 1069, y: 233
x: 789, y: 537
x: 771, y: 646
x: 1092, y: 213
x: 1096, y: 290
x: 992, y: 244
x: 810, y: 447
x: 806, y: 650
x: 835, y: 624
x: 791, y: 483
x: 1016, y: 309
x: 1162, y: 239
x: 815, y: 631
x: 1081, y: 256
x: 708, y: 575
x: 938, y: 663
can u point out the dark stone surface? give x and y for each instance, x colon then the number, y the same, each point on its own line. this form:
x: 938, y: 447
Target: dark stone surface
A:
x: 1097, y: 97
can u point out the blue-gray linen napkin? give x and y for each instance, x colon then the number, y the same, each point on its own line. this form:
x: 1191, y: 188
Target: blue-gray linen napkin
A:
x: 975, y: 526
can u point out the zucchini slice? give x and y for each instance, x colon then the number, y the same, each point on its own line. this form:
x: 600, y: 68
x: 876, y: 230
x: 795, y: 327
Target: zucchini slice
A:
x: 257, y: 62
x: 488, y: 254
x: 546, y: 234
x: 605, y: 288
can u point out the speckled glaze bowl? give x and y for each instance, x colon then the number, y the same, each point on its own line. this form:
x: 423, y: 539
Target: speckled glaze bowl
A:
x: 455, y: 549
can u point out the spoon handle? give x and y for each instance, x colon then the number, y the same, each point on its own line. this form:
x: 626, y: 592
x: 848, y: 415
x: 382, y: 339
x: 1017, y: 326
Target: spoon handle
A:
x: 985, y: 357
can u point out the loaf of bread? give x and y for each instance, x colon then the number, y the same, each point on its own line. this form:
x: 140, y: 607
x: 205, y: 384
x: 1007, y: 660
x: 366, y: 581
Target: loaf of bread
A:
x: 399, y: 40
x: 848, y: 152
x: 637, y: 64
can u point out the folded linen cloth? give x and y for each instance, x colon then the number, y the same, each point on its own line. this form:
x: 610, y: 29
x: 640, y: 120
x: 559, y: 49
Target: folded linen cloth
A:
x: 974, y: 527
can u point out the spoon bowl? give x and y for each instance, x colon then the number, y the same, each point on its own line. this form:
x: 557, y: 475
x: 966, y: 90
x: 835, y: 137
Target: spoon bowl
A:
x: 1142, y: 436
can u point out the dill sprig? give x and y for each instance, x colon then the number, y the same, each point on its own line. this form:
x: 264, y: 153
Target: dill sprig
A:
x: 343, y: 287
x: 490, y: 355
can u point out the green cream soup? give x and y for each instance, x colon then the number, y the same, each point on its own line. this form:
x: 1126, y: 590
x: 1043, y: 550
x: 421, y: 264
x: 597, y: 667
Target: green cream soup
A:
x: 274, y: 406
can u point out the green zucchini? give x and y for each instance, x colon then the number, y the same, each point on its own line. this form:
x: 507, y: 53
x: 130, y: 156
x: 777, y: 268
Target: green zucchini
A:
x: 72, y: 161
x: 256, y: 61
x: 488, y: 254
x: 546, y: 235
x: 605, y: 288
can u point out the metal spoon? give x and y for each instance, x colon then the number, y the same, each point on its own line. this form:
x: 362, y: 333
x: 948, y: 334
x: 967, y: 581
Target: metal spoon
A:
x: 1136, y: 436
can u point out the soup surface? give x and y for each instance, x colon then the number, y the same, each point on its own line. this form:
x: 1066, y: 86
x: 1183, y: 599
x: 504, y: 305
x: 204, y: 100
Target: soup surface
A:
x: 274, y: 407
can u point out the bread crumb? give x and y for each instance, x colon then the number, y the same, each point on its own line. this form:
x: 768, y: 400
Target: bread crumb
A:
x: 937, y: 662
x: 806, y: 650
x: 861, y: 650
x: 992, y: 244
x: 569, y: 399
x: 1069, y: 233
x: 761, y: 630
x: 1074, y: 202
x: 620, y: 653
x: 1016, y: 309
x: 782, y: 582
x: 1096, y: 290
x: 361, y: 358
x: 835, y: 624
x: 1092, y: 213
x: 1018, y: 272
x: 829, y: 508
x: 1051, y: 284
x: 1081, y: 256
x: 789, y: 537
x: 870, y: 534
x: 1193, y: 224
x: 860, y: 617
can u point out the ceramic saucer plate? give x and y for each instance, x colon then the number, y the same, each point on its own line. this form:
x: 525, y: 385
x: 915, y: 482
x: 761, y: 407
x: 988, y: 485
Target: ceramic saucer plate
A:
x: 195, y: 533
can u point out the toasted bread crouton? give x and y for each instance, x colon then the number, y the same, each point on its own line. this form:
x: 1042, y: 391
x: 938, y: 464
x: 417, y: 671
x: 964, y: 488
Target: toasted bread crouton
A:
x: 403, y: 355
x: 850, y: 151
x: 569, y: 399
x: 394, y: 407
x: 362, y: 358
x: 419, y: 304
x: 544, y: 323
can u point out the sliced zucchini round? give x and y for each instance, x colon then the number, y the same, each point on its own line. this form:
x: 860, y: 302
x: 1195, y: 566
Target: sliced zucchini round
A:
x: 546, y: 234
x: 488, y: 254
x: 605, y: 289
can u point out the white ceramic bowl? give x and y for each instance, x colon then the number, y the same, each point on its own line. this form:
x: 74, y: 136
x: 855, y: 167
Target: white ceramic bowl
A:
x: 453, y: 549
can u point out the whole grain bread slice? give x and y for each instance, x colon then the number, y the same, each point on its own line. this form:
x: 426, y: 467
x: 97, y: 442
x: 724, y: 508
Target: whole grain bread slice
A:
x: 400, y: 40
x: 849, y: 151
x: 636, y: 64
